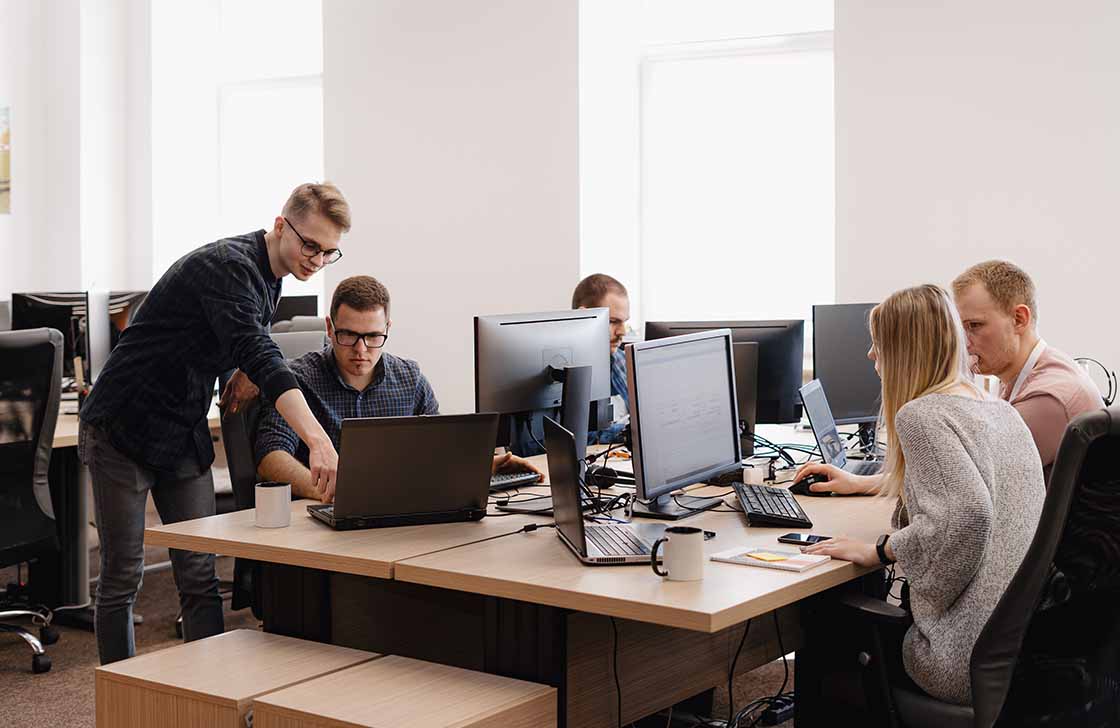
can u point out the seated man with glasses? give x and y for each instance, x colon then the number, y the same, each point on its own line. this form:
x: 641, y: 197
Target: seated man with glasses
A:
x: 353, y: 377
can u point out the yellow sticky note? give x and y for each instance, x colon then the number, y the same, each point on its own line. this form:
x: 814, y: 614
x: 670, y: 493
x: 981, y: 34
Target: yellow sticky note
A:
x: 766, y: 556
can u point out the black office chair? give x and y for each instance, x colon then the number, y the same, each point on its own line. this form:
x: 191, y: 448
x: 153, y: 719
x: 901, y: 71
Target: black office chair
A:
x: 1049, y: 652
x: 30, y: 384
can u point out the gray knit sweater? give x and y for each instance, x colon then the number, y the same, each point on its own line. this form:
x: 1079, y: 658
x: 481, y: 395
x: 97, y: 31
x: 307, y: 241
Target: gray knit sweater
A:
x: 973, y: 497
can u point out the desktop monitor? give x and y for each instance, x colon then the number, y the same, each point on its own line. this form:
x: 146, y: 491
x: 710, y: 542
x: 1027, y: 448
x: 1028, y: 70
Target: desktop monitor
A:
x: 290, y: 306
x: 746, y: 392
x: 781, y: 349
x: 841, y: 339
x: 81, y: 317
x: 527, y: 366
x: 684, y: 419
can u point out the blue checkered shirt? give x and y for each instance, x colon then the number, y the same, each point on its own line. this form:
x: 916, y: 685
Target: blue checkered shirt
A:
x: 618, y: 386
x: 398, y: 389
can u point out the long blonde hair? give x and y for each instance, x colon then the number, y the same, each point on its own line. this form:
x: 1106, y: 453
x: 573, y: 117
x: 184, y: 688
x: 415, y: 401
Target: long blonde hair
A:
x: 920, y: 346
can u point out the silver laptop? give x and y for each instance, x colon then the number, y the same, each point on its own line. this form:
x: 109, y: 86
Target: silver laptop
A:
x: 828, y: 437
x: 600, y: 543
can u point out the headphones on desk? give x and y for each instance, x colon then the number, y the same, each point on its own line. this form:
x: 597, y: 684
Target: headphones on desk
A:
x: 601, y: 476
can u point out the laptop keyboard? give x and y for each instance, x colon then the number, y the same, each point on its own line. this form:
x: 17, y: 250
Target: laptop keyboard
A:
x: 863, y: 467
x: 616, y: 540
x: 768, y: 506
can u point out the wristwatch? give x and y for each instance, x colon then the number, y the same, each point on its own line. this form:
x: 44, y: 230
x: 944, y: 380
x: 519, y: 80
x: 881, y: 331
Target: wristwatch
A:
x: 881, y: 549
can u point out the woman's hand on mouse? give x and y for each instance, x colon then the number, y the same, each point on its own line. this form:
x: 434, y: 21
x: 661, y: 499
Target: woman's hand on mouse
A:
x: 838, y: 481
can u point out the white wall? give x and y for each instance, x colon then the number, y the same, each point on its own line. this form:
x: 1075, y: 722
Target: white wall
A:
x: 39, y: 82
x: 74, y: 77
x: 968, y: 131
x: 452, y: 127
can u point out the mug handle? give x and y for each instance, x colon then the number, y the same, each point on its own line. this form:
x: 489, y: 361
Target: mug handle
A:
x: 653, y: 556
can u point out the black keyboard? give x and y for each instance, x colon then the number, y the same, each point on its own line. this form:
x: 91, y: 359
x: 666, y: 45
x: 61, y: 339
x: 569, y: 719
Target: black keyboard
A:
x: 506, y: 481
x: 613, y: 540
x: 764, y: 505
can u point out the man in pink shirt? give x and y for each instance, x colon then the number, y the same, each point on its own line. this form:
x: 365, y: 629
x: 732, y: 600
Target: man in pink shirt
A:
x: 996, y: 301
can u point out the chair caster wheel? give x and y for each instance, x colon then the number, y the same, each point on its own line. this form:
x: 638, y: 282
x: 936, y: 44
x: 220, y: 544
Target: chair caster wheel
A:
x: 40, y: 664
x: 48, y: 635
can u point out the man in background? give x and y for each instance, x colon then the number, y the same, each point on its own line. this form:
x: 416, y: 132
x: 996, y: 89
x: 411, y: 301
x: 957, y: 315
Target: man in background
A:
x: 998, y: 308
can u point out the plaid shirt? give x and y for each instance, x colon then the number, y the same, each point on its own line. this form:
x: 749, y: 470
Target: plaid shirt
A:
x: 208, y: 314
x: 613, y: 433
x: 398, y: 389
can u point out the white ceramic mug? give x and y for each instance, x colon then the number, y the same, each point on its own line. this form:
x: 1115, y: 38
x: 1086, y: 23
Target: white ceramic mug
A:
x: 274, y: 504
x: 683, y: 557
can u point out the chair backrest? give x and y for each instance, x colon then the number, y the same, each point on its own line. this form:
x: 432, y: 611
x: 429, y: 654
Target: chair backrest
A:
x: 1089, y: 455
x: 308, y: 323
x: 30, y: 387
x: 297, y: 343
x: 5, y: 315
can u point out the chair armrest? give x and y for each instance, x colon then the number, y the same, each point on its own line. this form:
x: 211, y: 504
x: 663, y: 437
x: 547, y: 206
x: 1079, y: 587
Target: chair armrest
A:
x: 874, y: 610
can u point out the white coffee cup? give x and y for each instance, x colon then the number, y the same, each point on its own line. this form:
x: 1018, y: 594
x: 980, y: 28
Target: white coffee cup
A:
x: 683, y: 555
x: 274, y: 504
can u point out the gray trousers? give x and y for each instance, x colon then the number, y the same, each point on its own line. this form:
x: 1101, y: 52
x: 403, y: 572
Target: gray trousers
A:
x: 120, y: 495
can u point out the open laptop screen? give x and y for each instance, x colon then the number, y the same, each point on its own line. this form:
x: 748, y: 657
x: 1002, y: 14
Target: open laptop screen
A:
x: 563, y: 477
x: 824, y: 427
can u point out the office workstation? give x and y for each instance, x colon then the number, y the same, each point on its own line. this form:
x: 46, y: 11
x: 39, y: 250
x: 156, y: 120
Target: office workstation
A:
x: 698, y: 365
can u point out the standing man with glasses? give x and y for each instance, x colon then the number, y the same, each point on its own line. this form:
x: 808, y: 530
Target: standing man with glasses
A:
x: 144, y: 426
x: 353, y: 377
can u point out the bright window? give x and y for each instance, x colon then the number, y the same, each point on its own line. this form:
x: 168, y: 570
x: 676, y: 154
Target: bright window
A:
x: 737, y: 175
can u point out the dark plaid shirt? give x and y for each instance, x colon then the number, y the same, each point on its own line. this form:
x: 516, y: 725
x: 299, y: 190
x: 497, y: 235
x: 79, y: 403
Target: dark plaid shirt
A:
x: 208, y: 314
x: 398, y: 389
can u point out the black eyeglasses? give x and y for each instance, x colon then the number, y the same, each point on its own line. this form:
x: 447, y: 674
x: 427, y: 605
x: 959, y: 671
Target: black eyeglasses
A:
x: 350, y: 338
x: 310, y: 249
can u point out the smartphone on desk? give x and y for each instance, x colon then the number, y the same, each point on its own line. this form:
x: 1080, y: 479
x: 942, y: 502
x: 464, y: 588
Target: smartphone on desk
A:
x: 802, y: 539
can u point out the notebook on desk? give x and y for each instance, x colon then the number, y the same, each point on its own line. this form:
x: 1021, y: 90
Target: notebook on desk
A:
x: 406, y: 471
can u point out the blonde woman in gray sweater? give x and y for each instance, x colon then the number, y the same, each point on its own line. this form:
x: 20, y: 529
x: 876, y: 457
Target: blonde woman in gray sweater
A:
x: 969, y: 485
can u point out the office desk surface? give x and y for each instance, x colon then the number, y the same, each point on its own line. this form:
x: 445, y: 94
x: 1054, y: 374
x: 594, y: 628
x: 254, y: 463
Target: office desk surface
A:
x: 311, y: 544
x: 536, y: 567
x: 66, y: 429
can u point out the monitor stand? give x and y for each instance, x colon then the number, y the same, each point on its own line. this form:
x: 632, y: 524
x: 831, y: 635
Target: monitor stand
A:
x: 671, y: 508
x: 867, y: 444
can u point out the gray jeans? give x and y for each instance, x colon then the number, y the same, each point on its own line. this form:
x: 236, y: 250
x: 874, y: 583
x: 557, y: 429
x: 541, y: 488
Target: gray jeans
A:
x: 120, y: 495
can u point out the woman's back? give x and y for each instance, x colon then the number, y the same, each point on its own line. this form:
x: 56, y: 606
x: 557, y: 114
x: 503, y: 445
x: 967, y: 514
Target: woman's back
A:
x: 973, y: 495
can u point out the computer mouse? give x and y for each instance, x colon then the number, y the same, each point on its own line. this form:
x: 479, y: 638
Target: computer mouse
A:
x: 801, y: 487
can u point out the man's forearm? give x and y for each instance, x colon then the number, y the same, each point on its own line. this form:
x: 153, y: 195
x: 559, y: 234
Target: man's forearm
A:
x: 293, y: 408
x: 281, y: 467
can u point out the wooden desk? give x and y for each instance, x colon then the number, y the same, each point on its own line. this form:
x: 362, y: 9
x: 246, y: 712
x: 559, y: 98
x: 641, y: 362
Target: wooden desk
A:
x: 524, y: 607
x: 546, y: 572
x: 308, y: 543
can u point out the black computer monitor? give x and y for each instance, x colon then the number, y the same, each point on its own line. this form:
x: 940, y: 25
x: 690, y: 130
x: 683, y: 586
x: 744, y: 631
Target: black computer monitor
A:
x: 521, y: 362
x: 684, y: 420
x: 841, y: 339
x: 81, y: 317
x: 289, y: 306
x: 781, y: 351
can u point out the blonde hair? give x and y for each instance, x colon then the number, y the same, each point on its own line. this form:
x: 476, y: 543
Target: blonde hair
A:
x: 1008, y: 284
x: 920, y: 346
x: 323, y: 199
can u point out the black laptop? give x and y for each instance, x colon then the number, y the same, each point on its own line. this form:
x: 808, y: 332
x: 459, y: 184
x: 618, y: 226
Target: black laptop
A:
x: 406, y: 471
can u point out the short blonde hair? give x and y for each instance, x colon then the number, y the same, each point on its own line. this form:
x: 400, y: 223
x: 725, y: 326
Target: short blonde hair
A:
x: 1005, y: 282
x: 321, y: 199
x: 920, y: 346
